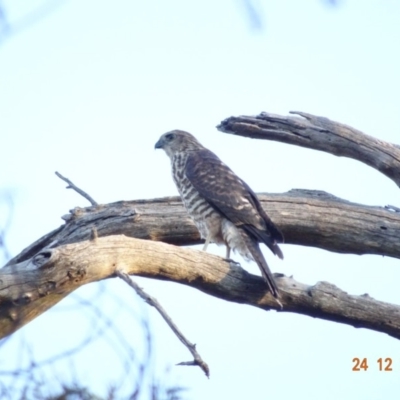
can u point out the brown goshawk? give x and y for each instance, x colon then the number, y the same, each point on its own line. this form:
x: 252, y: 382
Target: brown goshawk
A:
x: 223, y: 207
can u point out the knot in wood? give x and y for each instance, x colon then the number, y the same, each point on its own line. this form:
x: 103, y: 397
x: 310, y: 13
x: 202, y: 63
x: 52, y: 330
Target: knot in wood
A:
x: 76, y: 274
x: 41, y: 259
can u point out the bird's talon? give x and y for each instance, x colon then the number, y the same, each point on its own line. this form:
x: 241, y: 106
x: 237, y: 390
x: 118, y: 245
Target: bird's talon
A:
x: 230, y: 261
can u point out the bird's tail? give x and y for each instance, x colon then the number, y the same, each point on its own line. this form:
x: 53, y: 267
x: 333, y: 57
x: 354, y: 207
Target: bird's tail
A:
x: 265, y: 237
x: 255, y: 251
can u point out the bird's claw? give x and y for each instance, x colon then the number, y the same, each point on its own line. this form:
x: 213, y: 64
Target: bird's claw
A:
x: 230, y: 261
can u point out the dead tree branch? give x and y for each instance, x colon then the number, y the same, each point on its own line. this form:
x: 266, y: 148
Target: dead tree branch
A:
x: 306, y: 217
x: 31, y: 287
x: 197, y: 360
x: 319, y: 133
x: 103, y: 241
x: 78, y: 190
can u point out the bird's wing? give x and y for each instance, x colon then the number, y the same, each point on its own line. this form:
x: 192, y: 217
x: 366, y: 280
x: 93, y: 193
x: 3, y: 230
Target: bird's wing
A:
x: 227, y: 193
x: 232, y: 197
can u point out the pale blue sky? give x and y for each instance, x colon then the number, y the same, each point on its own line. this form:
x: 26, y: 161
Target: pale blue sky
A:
x: 88, y: 90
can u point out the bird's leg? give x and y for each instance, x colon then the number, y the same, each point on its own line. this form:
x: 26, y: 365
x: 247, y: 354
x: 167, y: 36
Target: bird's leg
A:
x: 208, y: 239
x: 228, y: 254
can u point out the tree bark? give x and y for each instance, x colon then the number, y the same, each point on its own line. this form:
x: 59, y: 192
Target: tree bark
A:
x: 33, y: 286
x: 89, y: 246
x: 306, y: 218
x: 319, y: 133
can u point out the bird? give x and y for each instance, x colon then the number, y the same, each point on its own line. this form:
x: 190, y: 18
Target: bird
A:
x: 223, y: 207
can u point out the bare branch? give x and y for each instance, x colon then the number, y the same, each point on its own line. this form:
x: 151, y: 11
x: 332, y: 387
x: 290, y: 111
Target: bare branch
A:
x: 153, y: 302
x: 28, y: 289
x: 319, y: 133
x: 92, y: 246
x: 306, y: 217
x: 80, y: 191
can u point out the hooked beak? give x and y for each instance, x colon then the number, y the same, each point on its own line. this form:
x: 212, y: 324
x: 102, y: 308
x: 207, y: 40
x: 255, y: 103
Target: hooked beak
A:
x: 159, y: 144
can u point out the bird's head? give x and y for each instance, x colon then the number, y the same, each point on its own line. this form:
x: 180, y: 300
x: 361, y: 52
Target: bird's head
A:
x: 177, y: 141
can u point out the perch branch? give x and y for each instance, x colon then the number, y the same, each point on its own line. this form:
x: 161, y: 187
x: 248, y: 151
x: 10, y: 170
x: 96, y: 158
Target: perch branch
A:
x: 306, y: 217
x: 319, y: 133
x: 197, y: 360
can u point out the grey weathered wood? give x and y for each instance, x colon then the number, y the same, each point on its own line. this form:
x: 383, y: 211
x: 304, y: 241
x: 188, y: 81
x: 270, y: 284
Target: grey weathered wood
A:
x: 319, y: 133
x: 152, y: 301
x: 30, y: 288
x: 306, y: 217
x: 89, y: 246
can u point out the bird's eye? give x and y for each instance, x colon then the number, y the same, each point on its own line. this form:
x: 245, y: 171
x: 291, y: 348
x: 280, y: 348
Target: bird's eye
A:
x: 169, y: 137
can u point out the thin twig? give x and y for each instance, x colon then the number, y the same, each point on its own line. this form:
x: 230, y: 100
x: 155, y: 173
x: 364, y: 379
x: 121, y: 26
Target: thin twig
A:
x: 153, y: 302
x: 80, y: 191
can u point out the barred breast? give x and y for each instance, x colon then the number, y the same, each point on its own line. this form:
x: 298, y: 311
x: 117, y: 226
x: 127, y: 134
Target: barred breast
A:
x: 206, y: 219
